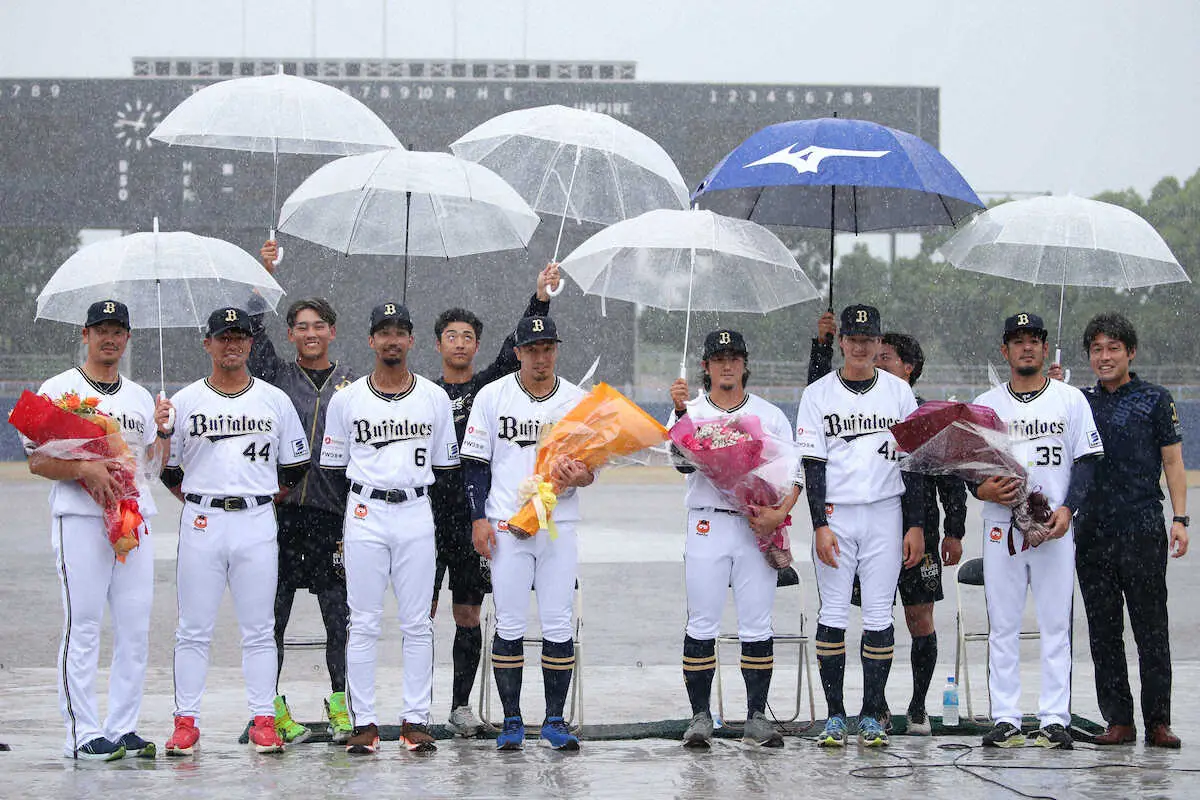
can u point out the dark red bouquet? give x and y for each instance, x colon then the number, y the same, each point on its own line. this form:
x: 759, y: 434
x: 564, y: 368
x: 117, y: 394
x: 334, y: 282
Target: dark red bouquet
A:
x: 947, y: 438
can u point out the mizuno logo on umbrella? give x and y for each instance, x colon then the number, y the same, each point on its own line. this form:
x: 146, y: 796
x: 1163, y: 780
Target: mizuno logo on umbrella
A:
x: 809, y: 159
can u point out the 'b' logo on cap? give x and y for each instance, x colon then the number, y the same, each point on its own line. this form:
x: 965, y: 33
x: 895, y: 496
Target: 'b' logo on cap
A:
x: 1022, y: 319
x: 538, y: 326
x: 861, y: 315
x: 724, y: 338
x: 231, y: 315
x: 110, y: 307
x: 389, y: 309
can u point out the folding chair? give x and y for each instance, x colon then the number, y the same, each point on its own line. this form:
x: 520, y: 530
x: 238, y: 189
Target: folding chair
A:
x: 574, y: 717
x: 787, y: 577
x: 970, y: 573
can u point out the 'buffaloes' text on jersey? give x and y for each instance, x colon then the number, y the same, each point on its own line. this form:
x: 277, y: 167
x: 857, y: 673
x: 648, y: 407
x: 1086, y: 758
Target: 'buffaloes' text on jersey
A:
x: 503, y: 429
x: 233, y: 444
x: 849, y: 430
x: 390, y: 442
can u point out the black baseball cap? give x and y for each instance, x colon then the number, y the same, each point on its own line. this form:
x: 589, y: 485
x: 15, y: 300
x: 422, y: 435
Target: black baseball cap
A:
x: 107, y: 311
x: 1024, y: 321
x: 228, y: 319
x: 390, y: 314
x: 860, y: 320
x: 535, y: 329
x: 722, y: 341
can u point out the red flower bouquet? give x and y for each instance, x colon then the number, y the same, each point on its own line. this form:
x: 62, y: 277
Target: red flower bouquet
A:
x: 747, y: 465
x: 970, y: 441
x: 73, y: 428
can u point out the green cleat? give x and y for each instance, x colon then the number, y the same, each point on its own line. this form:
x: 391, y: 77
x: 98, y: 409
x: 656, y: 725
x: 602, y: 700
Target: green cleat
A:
x: 289, y: 730
x: 340, y: 728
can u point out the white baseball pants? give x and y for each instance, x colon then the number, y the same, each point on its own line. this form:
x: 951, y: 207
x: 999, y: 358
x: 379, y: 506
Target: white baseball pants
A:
x: 547, y: 566
x: 720, y: 551
x: 91, y: 578
x: 1050, y: 570
x: 217, y: 549
x: 871, y: 539
x: 389, y: 543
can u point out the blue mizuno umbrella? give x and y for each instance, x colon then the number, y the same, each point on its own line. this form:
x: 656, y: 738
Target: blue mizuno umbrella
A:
x: 840, y: 175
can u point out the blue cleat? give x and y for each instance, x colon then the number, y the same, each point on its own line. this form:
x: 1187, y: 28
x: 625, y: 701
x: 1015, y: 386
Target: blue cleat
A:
x: 871, y: 732
x: 512, y: 737
x: 834, y: 734
x: 99, y: 749
x: 137, y: 747
x: 556, y: 735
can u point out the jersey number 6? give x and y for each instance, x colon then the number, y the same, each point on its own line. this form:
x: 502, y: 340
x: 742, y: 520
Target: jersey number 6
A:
x: 419, y: 456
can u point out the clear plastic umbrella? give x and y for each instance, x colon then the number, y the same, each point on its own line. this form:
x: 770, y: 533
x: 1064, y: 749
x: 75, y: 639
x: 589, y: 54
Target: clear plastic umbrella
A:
x: 275, y: 114
x: 1069, y: 241
x: 168, y: 280
x: 685, y: 260
x: 578, y: 164
x: 401, y: 202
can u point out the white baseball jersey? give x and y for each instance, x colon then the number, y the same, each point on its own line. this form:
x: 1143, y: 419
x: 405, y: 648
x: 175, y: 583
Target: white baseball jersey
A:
x: 700, y: 491
x: 849, y: 430
x: 1051, y: 430
x: 134, y: 408
x: 503, y: 429
x: 390, y: 442
x: 233, y: 444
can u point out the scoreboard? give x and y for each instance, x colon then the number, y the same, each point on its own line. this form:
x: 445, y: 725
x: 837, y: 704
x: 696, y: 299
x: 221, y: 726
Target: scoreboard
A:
x: 77, y: 154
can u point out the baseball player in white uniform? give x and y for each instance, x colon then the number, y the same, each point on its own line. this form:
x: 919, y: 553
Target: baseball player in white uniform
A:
x: 721, y: 550
x: 867, y: 516
x: 89, y: 573
x: 1057, y: 441
x: 499, y: 452
x: 237, y: 440
x: 389, y: 431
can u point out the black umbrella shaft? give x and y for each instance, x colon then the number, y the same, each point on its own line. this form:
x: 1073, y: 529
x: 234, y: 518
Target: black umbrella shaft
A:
x: 407, y: 218
x: 832, y: 206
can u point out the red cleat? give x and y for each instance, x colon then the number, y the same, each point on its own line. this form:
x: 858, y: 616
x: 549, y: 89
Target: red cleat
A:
x: 264, y: 737
x: 185, y: 739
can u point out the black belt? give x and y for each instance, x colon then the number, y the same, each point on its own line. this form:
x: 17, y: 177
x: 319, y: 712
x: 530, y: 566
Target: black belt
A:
x: 228, y: 503
x: 388, y: 495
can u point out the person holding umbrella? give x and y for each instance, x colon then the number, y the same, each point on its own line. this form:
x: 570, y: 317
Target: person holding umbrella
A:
x: 237, y: 442
x: 866, y: 514
x: 458, y: 332
x: 721, y: 550
x: 1121, y: 546
x: 89, y: 572
x: 920, y: 586
x: 310, y: 517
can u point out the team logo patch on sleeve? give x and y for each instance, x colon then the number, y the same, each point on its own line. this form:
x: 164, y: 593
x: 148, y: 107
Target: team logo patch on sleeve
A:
x: 452, y: 450
x: 1094, y: 438
x: 299, y: 448
x: 360, y: 511
x: 702, y: 527
x: 200, y: 522
x: 995, y: 534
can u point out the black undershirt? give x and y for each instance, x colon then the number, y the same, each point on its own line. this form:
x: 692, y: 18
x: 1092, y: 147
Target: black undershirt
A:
x: 319, y: 376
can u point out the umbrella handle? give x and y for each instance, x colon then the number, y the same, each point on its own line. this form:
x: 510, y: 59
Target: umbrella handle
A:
x: 562, y: 284
x: 162, y: 395
x: 278, y: 249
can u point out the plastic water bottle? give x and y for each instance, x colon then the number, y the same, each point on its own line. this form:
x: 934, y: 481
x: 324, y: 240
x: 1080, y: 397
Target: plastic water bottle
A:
x: 950, y: 703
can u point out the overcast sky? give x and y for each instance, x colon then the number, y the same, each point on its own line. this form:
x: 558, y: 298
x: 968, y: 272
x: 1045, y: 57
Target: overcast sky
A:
x: 1058, y: 95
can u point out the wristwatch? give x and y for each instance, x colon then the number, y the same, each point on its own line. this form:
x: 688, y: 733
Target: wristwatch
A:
x: 1184, y: 520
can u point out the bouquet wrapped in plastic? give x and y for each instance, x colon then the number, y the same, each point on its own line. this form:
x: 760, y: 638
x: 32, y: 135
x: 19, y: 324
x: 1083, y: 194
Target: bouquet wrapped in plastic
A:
x: 747, y: 465
x: 604, y: 425
x: 970, y: 441
x: 73, y: 429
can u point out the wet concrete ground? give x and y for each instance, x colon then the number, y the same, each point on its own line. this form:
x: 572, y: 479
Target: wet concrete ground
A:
x: 633, y: 610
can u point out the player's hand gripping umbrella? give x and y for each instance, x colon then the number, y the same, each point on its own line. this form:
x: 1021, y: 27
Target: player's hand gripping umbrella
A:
x: 688, y: 260
x: 275, y: 114
x: 168, y: 280
x: 401, y: 202
x: 839, y: 175
x: 578, y: 164
x: 1071, y: 241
